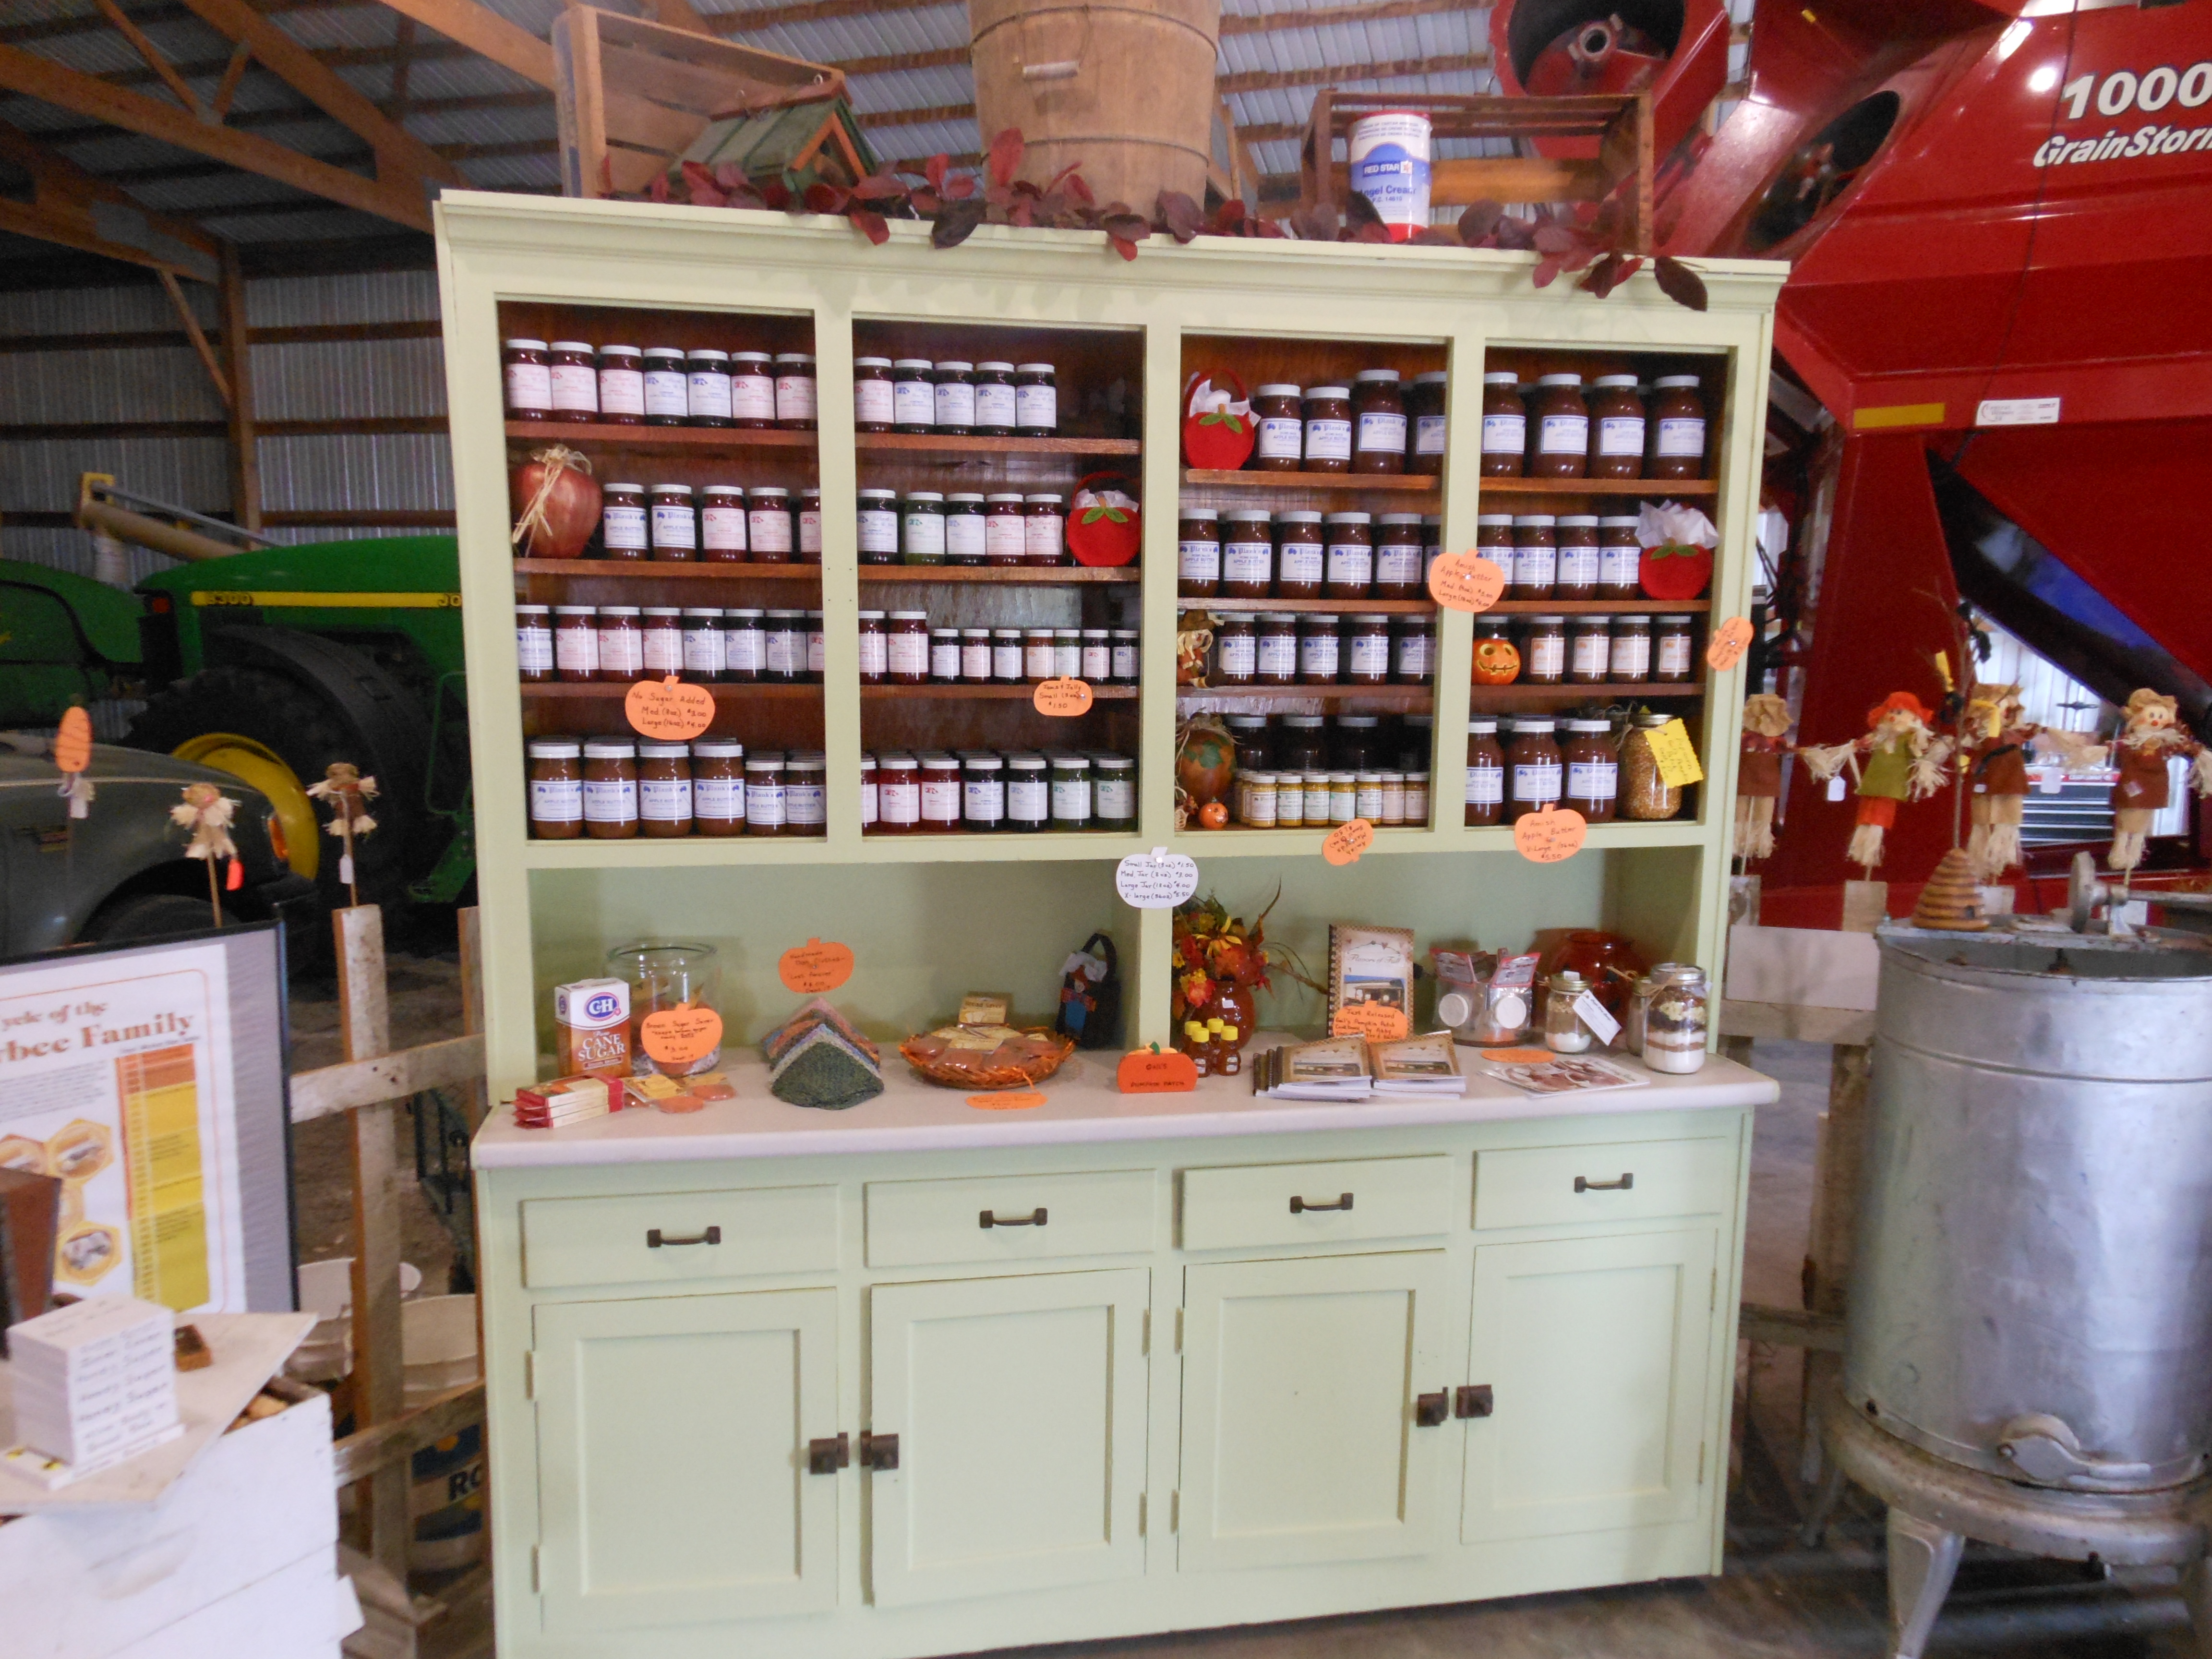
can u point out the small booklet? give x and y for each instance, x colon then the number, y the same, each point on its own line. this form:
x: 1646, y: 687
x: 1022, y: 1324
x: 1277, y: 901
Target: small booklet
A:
x: 1418, y: 1066
x: 1335, y: 1069
x: 1564, y: 1074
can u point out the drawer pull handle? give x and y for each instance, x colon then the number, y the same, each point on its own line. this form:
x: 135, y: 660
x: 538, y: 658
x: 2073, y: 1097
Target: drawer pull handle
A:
x: 987, y: 1219
x: 1431, y: 1411
x: 827, y: 1456
x: 1584, y: 1184
x: 655, y: 1239
x: 878, y: 1452
x: 1305, y: 1206
x: 1473, y: 1400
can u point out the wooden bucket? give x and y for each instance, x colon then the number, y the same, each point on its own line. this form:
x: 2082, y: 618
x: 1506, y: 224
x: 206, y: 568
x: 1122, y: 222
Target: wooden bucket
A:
x: 1123, y: 87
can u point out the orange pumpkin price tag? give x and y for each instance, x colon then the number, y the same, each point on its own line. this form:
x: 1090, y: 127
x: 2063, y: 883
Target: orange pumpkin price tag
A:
x: 1729, y: 643
x: 1377, y: 1022
x: 1466, y: 582
x: 1348, y: 841
x: 669, y: 710
x: 1011, y: 1100
x: 1550, y: 835
x: 73, y: 743
x: 814, y: 967
x: 1062, y: 697
x: 1156, y: 1072
x: 676, y: 1036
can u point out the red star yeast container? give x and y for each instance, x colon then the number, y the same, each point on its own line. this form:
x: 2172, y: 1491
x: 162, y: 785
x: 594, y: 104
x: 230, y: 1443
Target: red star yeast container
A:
x: 1388, y: 153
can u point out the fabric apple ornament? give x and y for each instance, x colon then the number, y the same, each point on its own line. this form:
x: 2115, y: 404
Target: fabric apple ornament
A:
x: 1678, y: 541
x: 556, y: 505
x: 1217, y: 429
x: 1105, y: 527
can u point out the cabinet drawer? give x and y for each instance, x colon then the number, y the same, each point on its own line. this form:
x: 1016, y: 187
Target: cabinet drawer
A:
x: 1620, y: 1180
x: 610, y: 1241
x: 1339, y: 1203
x: 1015, y: 1217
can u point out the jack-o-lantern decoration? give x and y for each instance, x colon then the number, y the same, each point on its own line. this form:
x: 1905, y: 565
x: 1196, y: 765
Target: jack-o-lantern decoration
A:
x: 1496, y: 662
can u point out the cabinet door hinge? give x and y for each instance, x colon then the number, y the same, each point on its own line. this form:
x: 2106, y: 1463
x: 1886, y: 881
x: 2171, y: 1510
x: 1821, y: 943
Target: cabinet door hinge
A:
x: 530, y: 1374
x: 1140, y: 1513
x: 1701, y: 1462
x: 536, y: 1582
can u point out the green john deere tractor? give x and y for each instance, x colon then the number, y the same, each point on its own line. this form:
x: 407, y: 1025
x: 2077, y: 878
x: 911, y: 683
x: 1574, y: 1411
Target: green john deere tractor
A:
x: 269, y: 662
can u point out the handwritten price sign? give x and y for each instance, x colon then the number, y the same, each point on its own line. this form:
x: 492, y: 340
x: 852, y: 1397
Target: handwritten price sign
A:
x: 1377, y: 1022
x: 1062, y: 697
x: 1157, y: 880
x: 1550, y: 835
x: 1729, y: 643
x: 1156, y: 1072
x: 677, y: 1036
x: 1465, y: 582
x: 669, y: 711
x: 1011, y: 1100
x: 1674, y: 754
x: 1348, y: 841
x: 814, y: 967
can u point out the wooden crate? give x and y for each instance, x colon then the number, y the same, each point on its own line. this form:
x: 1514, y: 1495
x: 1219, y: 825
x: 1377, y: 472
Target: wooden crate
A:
x: 1622, y: 124
x: 633, y: 96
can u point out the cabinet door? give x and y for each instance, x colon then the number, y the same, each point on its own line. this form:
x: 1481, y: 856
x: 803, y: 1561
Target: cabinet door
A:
x: 1019, y: 1408
x: 1595, y: 1351
x: 671, y: 1456
x: 1298, y: 1438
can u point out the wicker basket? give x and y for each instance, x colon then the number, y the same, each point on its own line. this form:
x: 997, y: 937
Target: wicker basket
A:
x: 994, y: 1077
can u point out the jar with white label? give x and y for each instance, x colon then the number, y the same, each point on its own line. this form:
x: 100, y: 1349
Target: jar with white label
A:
x: 1504, y: 426
x: 944, y: 656
x: 975, y: 656
x: 664, y: 789
x: 940, y: 793
x: 954, y: 408
x: 573, y: 368
x: 722, y: 525
x: 1097, y: 658
x: 1044, y: 530
x: 1004, y: 531
x: 1005, y: 656
x: 1592, y: 769
x: 1126, y: 656
x: 752, y: 390
x: 964, y: 540
x: 1071, y: 792
x: 744, y: 645
x: 1536, y: 569
x: 1255, y: 799
x: 1678, y: 428
x: 1036, y: 400
x: 768, y: 526
x: 1278, y: 420
x: 1413, y: 649
x: 1590, y: 649
x: 1037, y: 654
x: 784, y: 637
x: 1532, y: 767
x: 674, y: 522
x: 921, y: 530
x: 878, y: 526
x: 1275, y: 647
x: 556, y: 789
x: 1578, y: 537
x: 667, y: 387
x: 806, y: 794
x: 767, y: 808
x: 1399, y: 573
x: 529, y: 380
x: 1616, y: 427
x: 1349, y: 569
x: 809, y: 517
x: 662, y: 626
x: 1236, y: 652
x: 899, y: 794
x: 1485, y: 772
x: 610, y: 788
x: 872, y: 394
x: 998, y: 408
x: 1368, y: 799
x: 621, y: 371
x: 1067, y: 652
x: 622, y: 644
x: 533, y: 643
x: 1544, y: 650
x: 795, y: 407
x: 983, y: 793
x: 871, y: 800
x: 1367, y: 650
x: 1619, y: 557
x: 1198, y: 553
x: 1247, y: 554
x: 913, y: 395
x: 622, y: 521
x: 1328, y: 429
x: 1319, y: 653
x: 875, y: 649
x: 707, y: 387
x: 1300, y: 562
x: 1114, y: 793
x: 1561, y: 449
x: 906, y: 648
x: 718, y: 787
x: 1417, y: 799
x: 1029, y: 794
x: 702, y: 643
x: 1631, y: 647
x: 1393, y: 799
x: 1670, y: 651
x: 575, y: 643
x: 1424, y: 410
x: 817, y: 647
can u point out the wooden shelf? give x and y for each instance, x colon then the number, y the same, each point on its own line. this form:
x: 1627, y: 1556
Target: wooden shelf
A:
x: 947, y: 443
x: 1650, y: 691
x: 660, y: 440
x: 1414, y: 699
x: 1042, y: 576
x: 1637, y: 607
x: 1025, y: 692
x: 717, y: 570
x: 598, y: 690
x: 1596, y: 486
x: 1353, y: 483
x: 1315, y: 607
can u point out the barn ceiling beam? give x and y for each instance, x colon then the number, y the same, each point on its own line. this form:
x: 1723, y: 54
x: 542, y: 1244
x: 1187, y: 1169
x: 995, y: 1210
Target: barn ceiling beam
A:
x: 73, y: 207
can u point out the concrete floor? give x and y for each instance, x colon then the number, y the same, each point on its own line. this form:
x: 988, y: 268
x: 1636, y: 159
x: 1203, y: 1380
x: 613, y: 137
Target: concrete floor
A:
x: 1776, y: 1601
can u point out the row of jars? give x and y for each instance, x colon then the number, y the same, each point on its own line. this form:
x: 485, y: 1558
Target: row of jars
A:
x: 986, y: 400
x: 1375, y: 424
x: 722, y: 524
x: 660, y: 385
x: 1566, y: 556
x: 1585, y: 764
x: 617, y: 789
x: 1249, y: 553
x: 966, y: 528
x: 1591, y: 650
x: 981, y: 790
x: 1346, y: 742
x: 619, y: 643
x: 1280, y: 647
x: 1318, y: 799
x: 899, y: 647
x: 1614, y: 431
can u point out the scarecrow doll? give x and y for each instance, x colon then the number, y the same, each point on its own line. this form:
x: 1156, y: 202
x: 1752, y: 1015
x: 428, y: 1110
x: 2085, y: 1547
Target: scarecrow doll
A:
x: 1905, y: 761
x: 2148, y: 740
x: 1758, y: 774
x: 1993, y: 739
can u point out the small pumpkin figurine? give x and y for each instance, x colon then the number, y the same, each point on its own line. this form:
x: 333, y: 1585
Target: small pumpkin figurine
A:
x: 1217, y: 429
x: 1206, y: 765
x: 1495, y: 661
x: 1104, y: 526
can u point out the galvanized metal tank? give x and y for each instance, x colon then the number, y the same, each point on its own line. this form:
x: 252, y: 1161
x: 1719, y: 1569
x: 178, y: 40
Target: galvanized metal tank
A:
x: 2031, y: 1290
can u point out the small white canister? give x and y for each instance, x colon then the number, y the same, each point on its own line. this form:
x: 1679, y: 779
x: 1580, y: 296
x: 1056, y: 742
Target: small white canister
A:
x: 1389, y: 154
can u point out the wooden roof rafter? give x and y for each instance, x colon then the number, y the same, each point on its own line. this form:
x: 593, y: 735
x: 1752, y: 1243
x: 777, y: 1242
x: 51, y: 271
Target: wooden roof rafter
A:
x: 76, y: 209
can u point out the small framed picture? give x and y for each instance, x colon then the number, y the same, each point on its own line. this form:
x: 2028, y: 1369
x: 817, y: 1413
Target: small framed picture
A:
x: 1372, y: 965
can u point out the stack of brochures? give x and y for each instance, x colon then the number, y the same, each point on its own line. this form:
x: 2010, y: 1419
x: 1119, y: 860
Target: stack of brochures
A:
x: 1353, y: 1068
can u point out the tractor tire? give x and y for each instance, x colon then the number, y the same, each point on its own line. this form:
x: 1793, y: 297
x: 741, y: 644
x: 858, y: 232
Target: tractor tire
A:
x: 281, y: 718
x: 148, y: 917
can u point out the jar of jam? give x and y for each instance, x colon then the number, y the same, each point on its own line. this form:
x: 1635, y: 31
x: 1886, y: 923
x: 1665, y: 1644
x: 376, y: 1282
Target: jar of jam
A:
x: 817, y: 647
x: 1044, y: 530
x: 1357, y: 742
x: 1298, y: 748
x: 964, y: 530
x: 1562, y: 446
x: 806, y: 794
x: 1532, y: 767
x: 983, y: 793
x: 1494, y: 540
x: 622, y: 521
x: 878, y: 526
x: 1071, y: 792
x: 899, y: 790
x: 1592, y: 769
x: 556, y: 789
x: 664, y: 789
x: 1255, y: 798
x: 1328, y: 429
x: 1004, y: 531
x: 1485, y: 772
x: 707, y: 387
x: 871, y: 799
x: 1290, y: 799
x: 1275, y: 648
x: 1620, y: 557
x: 702, y: 643
x: 1535, y: 557
x: 745, y: 646
x: 674, y: 523
x: 906, y: 648
x: 610, y: 788
x: 998, y: 410
x: 1036, y: 400
x: 955, y: 397
x: 1413, y: 649
x: 1399, y: 572
x: 875, y: 649
x: 667, y: 387
x: 975, y: 656
x: 718, y: 787
x: 1114, y: 793
x: 1616, y: 418
x: 1249, y: 733
x: 1678, y: 428
x: 1394, y: 799
x: 1350, y: 571
x: 622, y: 644
x: 533, y: 643
x: 1247, y: 554
x: 1299, y: 561
x: 795, y: 405
x: 663, y: 627
x: 621, y: 385
x: 1579, y: 556
x: 573, y: 368
x: 1037, y: 654
x: 1279, y: 439
x: 1097, y: 663
x: 783, y: 637
x: 1029, y: 794
x: 1630, y: 659
x: 1645, y: 794
x: 1236, y: 652
x: 768, y: 524
x: 1504, y: 426
x: 529, y: 380
x: 1067, y: 652
x: 1319, y: 652
x: 1378, y: 414
x: 575, y: 643
x: 1007, y: 656
x: 944, y: 656
x: 1126, y: 658
x: 722, y: 525
x: 810, y: 525
x: 1424, y: 411
x: 1544, y: 650
x: 752, y: 390
x: 1589, y: 650
x: 921, y: 539
x: 1197, y: 561
x: 913, y: 395
x: 1670, y: 651
x: 1415, y: 740
x: 1316, y: 793
x: 872, y: 409
x: 1367, y: 651
x: 768, y: 804
x: 1367, y: 798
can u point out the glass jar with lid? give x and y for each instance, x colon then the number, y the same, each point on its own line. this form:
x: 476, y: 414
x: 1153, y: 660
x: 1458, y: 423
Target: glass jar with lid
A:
x: 1067, y: 652
x: 870, y: 796
x: 1672, y: 659
x: 663, y: 975
x: 1300, y: 561
x: 674, y: 523
x: 809, y: 520
x: 921, y: 537
x: 1349, y: 571
x: 752, y: 390
x: 998, y: 409
x: 1590, y: 649
x: 1367, y: 650
x: 1255, y: 798
x: 1036, y: 400
x: 573, y: 370
x: 1044, y: 530
x: 944, y: 656
x: 556, y: 788
x: 744, y: 645
x: 1677, y: 1020
x: 906, y: 648
x: 1619, y: 557
x: 1485, y: 772
x: 1004, y: 531
x: 1677, y: 429
x: 875, y: 649
x: 1535, y: 571
x: 1544, y: 650
x: 529, y: 379
x: 1532, y: 767
x: 783, y: 642
x: 1096, y: 662
x: 768, y: 804
x: 1318, y: 791
x: 1504, y: 425
x: 1343, y: 799
x: 1006, y: 655
x: 1037, y: 654
x: 1616, y: 427
x: 1198, y: 553
x: 1424, y: 415
x: 1328, y: 429
x: 1631, y: 647
x: 913, y: 395
x: 1645, y: 794
x: 873, y: 408
x: 817, y: 647
x: 1319, y: 653
x: 667, y: 387
x: 622, y: 644
x: 533, y: 643
x: 1071, y: 792
x: 1278, y: 435
x: 664, y: 789
x: 1378, y: 415
x: 1576, y: 535
x: 1399, y: 572
x: 1413, y: 743
x: 662, y: 626
x: 610, y: 788
x: 976, y: 656
x: 1236, y: 652
x: 898, y: 795
x: 1367, y: 796
x: 1126, y: 658
x: 623, y: 532
x: 1114, y: 793
x: 1593, y: 770
x: 878, y: 526
x: 1275, y: 648
x: 795, y: 406
x: 1413, y: 649
x: 1394, y: 799
x: 964, y: 530
x: 1562, y: 423
x: 707, y: 387
x: 983, y: 793
x: 1417, y: 799
x: 1356, y: 741
x: 1564, y: 1031
x: 1298, y: 746
x: 1290, y: 799
x: 955, y: 405
x: 1247, y: 554
x: 722, y: 525
x: 718, y: 787
x: 621, y: 385
x: 768, y: 525
x: 940, y: 794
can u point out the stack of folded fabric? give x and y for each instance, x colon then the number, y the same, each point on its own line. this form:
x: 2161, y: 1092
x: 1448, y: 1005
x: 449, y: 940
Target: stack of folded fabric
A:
x: 817, y: 1058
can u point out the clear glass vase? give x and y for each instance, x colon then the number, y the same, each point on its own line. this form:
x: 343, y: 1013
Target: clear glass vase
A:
x: 665, y: 975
